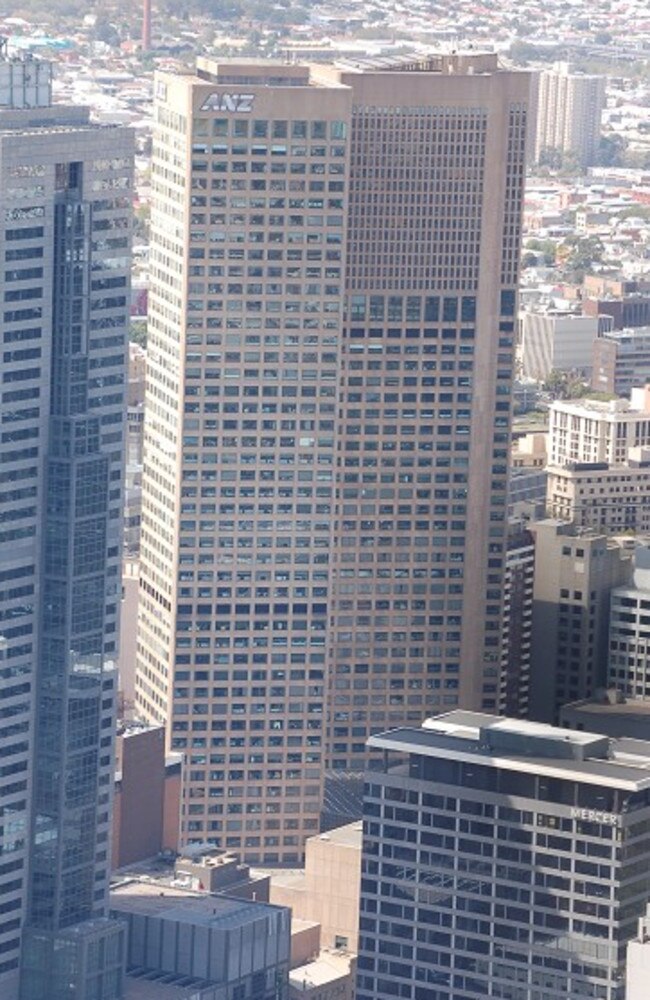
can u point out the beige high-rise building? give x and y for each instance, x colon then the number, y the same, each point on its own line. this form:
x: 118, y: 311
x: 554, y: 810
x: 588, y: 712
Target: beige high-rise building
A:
x: 436, y: 181
x: 326, y: 441
x: 249, y: 175
x: 575, y: 572
x: 569, y: 112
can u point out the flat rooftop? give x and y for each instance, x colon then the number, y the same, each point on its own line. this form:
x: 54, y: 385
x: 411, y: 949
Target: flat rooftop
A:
x: 185, y: 905
x: 157, y: 989
x: 519, y: 745
x: 638, y: 708
x: 327, y: 969
x: 349, y: 835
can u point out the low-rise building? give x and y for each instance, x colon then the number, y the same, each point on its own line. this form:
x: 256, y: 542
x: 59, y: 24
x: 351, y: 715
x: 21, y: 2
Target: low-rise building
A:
x: 147, y: 800
x: 214, y: 947
x: 621, y: 360
x: 558, y: 341
x: 331, y: 976
x: 612, y: 498
x: 328, y: 890
x: 593, y: 430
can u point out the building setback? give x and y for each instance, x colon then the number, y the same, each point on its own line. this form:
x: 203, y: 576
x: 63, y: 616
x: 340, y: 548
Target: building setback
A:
x: 325, y: 479
x: 502, y: 858
x: 65, y: 190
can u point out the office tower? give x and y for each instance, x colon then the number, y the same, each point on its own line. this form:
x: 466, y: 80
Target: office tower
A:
x: 255, y: 380
x: 629, y: 631
x: 559, y: 341
x: 501, y: 858
x: 514, y: 694
x: 569, y: 112
x: 621, y: 360
x: 65, y: 192
x: 248, y: 224
x: 575, y: 573
x: 436, y: 178
x: 134, y: 449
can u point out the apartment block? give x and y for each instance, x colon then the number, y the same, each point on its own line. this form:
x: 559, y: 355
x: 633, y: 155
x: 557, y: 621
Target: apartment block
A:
x: 569, y: 111
x: 590, y: 430
x: 502, y: 858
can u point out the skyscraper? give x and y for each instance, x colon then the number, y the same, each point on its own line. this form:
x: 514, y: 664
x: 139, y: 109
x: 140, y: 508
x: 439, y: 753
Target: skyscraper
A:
x: 249, y: 179
x: 65, y: 239
x: 501, y: 858
x: 326, y: 436
x: 436, y: 180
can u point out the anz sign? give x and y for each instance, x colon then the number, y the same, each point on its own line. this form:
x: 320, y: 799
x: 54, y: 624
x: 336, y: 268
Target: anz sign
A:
x: 239, y: 103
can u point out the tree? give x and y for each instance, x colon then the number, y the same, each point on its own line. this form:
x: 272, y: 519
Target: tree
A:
x: 106, y: 32
x: 611, y: 150
x: 565, y: 385
x: 138, y: 332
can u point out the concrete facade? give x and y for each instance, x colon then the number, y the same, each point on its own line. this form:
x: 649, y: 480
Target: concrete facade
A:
x: 621, y: 360
x: 328, y: 891
x: 569, y: 112
x: 638, y: 962
x: 610, y: 498
x: 575, y: 573
x: 224, y: 946
x: 146, y: 808
x: 559, y: 342
x: 309, y: 303
x: 589, y: 430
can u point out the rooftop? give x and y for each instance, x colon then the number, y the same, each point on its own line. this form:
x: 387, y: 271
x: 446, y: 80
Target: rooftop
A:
x: 150, y: 898
x: 345, y: 836
x: 327, y: 968
x: 520, y: 745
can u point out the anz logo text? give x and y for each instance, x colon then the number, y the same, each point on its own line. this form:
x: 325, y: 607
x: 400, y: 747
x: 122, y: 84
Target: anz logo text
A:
x: 240, y: 103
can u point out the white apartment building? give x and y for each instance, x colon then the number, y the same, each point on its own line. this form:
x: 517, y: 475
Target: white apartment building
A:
x: 569, y: 112
x: 589, y: 430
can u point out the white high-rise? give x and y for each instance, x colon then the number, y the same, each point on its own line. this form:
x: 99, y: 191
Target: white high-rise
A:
x: 569, y: 112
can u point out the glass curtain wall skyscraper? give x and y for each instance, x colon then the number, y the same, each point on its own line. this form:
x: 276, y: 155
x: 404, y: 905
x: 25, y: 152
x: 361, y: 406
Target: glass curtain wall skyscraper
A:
x: 66, y: 197
x: 334, y: 270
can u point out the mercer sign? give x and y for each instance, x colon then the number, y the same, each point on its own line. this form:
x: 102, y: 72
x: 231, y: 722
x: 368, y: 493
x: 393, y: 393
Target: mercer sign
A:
x: 241, y: 103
